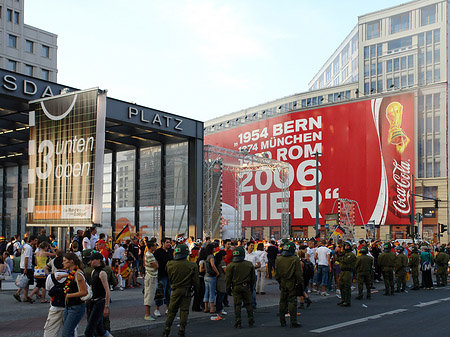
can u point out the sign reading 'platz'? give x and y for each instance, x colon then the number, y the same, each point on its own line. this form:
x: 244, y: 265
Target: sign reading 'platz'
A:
x: 67, y: 135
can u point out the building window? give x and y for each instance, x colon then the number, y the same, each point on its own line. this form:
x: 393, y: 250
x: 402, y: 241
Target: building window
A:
x: 428, y: 15
x: 28, y: 70
x: 380, y: 68
x: 403, y: 43
x: 437, y: 102
x: 410, y: 80
x: 328, y: 75
x: 429, y: 169
x: 429, y: 57
x: 336, y: 65
x: 403, y: 63
x: 373, y: 30
x: 29, y: 46
x: 366, y: 53
x: 12, y: 65
x: 380, y: 85
x: 430, y: 191
x: 437, y: 147
x: 355, y: 43
x: 410, y: 61
x: 16, y: 17
x: 373, y: 69
x: 389, y: 66
x: 400, y: 23
x: 437, y: 169
x: 45, y: 74
x: 437, y: 35
x: 9, y: 14
x: 420, y: 149
x: 437, y: 55
x: 12, y: 41
x: 379, y: 49
x: 403, y: 81
x: 429, y: 37
x: 437, y: 75
x: 45, y: 51
x: 420, y: 40
x: 396, y: 64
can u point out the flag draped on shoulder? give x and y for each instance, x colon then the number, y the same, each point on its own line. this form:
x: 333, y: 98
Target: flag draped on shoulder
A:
x: 125, y: 232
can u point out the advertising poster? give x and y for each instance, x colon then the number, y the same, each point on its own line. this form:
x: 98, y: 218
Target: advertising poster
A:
x: 66, y: 149
x: 366, y: 154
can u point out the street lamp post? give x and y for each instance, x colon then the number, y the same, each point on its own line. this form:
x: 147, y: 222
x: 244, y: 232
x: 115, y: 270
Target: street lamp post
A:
x: 317, y: 225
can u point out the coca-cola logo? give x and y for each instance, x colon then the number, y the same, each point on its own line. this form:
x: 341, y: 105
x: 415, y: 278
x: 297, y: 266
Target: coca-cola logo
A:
x: 401, y: 174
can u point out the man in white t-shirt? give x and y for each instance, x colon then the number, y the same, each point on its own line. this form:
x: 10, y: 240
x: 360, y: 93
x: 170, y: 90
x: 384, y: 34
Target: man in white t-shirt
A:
x: 323, y: 259
x: 26, y: 267
x: 54, y: 322
x: 94, y: 236
x: 310, y: 255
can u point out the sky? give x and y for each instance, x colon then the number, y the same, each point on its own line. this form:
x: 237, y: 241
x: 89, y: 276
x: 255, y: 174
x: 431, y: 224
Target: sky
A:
x: 199, y: 59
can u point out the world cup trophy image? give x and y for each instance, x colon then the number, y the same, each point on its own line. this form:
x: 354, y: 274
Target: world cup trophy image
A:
x: 397, y: 136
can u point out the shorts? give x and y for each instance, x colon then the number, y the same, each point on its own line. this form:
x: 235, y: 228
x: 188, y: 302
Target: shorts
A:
x: 40, y: 282
x: 30, y: 275
x: 149, y: 290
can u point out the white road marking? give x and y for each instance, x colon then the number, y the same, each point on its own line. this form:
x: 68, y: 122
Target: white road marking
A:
x: 357, y: 321
x: 425, y: 304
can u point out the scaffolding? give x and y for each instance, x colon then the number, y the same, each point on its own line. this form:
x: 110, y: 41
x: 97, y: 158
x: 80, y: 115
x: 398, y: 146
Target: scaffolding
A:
x: 239, y: 164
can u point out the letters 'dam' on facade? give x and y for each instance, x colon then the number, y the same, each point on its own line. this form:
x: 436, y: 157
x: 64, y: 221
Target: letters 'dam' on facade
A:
x: 366, y: 154
x: 66, y: 150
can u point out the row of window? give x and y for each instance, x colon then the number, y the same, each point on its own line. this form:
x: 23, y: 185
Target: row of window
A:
x: 330, y: 98
x: 11, y: 16
x: 29, y: 46
x: 29, y: 70
x: 431, y: 170
x: 401, y: 22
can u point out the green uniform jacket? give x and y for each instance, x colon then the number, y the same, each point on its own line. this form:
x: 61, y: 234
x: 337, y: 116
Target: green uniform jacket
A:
x: 386, y: 261
x: 364, y: 264
x: 240, y: 272
x: 183, y: 274
x: 346, y: 261
x: 442, y: 260
x: 401, y: 262
x: 414, y: 261
x: 288, y: 268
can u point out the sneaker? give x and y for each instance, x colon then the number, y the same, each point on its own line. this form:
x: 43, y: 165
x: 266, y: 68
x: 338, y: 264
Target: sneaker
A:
x: 223, y: 312
x: 215, y: 318
x: 167, y: 311
x: 149, y: 318
x: 324, y: 293
x: 17, y: 297
x: 157, y: 313
x: 121, y: 288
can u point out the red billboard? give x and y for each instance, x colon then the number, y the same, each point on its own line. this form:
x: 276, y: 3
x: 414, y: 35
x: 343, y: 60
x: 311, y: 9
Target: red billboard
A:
x: 367, y: 155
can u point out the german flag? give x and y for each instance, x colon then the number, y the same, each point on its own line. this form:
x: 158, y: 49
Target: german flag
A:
x: 338, y: 231
x: 124, y: 233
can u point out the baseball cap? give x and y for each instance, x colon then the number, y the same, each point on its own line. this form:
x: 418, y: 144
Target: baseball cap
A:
x: 96, y: 256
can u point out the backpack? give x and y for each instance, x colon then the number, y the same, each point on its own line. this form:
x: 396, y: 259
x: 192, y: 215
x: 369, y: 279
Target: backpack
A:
x: 308, y: 270
x: 10, y: 248
x: 57, y: 293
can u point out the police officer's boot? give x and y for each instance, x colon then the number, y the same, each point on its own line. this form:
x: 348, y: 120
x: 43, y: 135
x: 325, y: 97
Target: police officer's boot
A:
x: 251, y: 323
x: 238, y: 324
x: 181, y: 334
x: 359, y: 297
x: 165, y: 333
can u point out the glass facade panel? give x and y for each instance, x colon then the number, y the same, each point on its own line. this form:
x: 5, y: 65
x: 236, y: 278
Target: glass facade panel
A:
x: 437, y: 169
x: 12, y: 195
x: 388, y: 66
x: 396, y: 64
x: 176, y: 189
x: 437, y: 147
x: 428, y: 15
x: 400, y: 22
x: 373, y: 30
x: 410, y: 61
x: 150, y: 191
x: 437, y: 101
x: 107, y: 192
x: 125, y: 191
x: 437, y: 35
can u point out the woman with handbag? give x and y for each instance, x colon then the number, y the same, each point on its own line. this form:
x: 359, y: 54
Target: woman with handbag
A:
x: 75, y: 288
x: 98, y: 305
x: 40, y: 271
x: 426, y: 263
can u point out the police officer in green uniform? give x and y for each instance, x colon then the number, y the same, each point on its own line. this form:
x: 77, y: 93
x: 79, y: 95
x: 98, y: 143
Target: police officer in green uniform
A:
x: 240, y: 277
x: 442, y: 267
x: 401, y: 262
x: 288, y: 273
x: 183, y: 276
x: 363, y: 267
x: 347, y: 262
x: 386, y: 261
x: 413, y: 264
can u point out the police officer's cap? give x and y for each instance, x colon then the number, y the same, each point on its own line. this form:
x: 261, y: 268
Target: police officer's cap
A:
x: 238, y: 254
x: 387, y: 247
x: 400, y: 249
x: 181, y: 252
x: 364, y: 250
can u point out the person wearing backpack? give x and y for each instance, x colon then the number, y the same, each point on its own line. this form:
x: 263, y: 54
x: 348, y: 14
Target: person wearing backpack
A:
x: 55, y: 288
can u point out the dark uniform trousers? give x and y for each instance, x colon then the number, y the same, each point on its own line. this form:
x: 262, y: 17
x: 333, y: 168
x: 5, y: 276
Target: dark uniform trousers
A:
x: 415, y: 277
x: 288, y: 300
x: 388, y: 277
x: 401, y: 278
x: 364, y: 278
x: 345, y: 283
x: 178, y: 300
x: 441, y: 275
x: 241, y: 293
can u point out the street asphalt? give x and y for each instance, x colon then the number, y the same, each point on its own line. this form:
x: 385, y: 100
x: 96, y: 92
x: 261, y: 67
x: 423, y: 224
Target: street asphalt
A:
x: 416, y: 313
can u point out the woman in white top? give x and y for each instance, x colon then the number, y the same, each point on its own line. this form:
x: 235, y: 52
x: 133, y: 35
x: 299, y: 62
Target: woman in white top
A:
x: 87, y: 239
x: 261, y: 271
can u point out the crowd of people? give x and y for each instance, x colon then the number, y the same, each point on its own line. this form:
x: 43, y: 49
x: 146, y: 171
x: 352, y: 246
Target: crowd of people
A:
x: 79, y: 281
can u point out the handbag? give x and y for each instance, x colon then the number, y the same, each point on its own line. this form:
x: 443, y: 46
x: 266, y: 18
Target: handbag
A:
x: 21, y: 281
x: 426, y: 266
x: 89, y: 294
x: 39, y: 272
